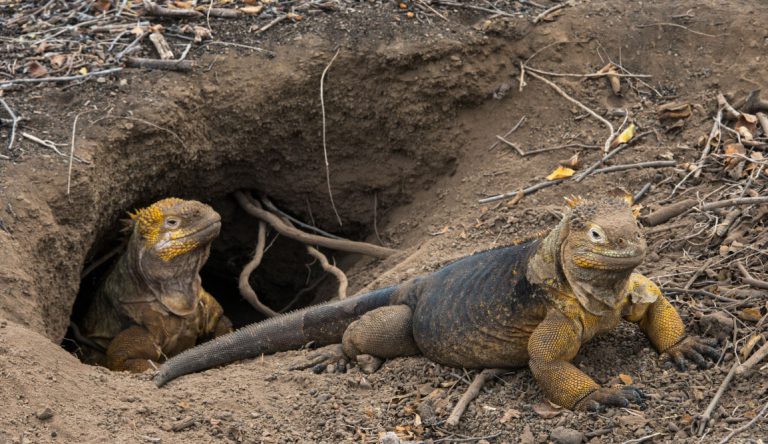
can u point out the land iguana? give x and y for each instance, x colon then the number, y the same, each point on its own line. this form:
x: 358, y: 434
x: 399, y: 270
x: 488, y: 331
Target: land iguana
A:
x: 530, y: 304
x: 151, y: 304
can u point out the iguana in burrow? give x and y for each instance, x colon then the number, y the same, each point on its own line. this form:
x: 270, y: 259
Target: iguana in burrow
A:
x: 151, y: 304
x: 531, y: 304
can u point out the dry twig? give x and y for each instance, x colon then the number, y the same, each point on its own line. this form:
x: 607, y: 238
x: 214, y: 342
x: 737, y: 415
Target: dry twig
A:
x: 745, y: 426
x: 168, y: 65
x: 608, y: 124
x: 675, y: 25
x: 706, y: 417
x: 72, y: 152
x: 14, y: 122
x: 472, y: 392
x: 61, y: 79
x: 332, y: 269
x: 748, y: 279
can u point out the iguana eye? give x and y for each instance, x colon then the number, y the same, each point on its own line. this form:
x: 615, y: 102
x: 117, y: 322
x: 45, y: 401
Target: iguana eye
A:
x: 595, y: 235
x: 172, y: 222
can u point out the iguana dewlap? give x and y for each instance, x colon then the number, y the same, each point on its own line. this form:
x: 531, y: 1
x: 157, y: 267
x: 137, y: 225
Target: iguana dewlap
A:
x: 151, y: 304
x: 531, y: 304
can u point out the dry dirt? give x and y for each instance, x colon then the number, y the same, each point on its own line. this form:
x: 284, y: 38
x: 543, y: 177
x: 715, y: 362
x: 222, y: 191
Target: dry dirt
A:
x: 412, y: 109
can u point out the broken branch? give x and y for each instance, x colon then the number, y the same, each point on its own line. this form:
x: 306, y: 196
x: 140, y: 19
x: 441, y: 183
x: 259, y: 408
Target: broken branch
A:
x: 472, y: 392
x: 169, y: 65
x: 608, y: 124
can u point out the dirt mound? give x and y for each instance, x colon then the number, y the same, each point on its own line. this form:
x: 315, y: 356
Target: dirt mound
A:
x: 412, y: 109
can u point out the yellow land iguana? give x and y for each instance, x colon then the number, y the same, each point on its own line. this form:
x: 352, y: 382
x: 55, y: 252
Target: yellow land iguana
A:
x: 152, y: 305
x: 531, y: 304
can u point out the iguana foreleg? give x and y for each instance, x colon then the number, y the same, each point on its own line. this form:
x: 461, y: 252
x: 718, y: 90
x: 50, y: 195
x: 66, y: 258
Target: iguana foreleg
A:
x: 662, y: 324
x: 553, y: 344
x: 133, y: 349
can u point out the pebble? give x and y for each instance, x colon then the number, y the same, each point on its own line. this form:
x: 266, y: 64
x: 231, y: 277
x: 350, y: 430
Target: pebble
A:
x: 527, y: 436
x: 562, y: 435
x: 44, y: 414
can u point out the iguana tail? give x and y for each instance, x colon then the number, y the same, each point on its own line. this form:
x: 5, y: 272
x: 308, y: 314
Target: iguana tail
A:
x: 322, y: 324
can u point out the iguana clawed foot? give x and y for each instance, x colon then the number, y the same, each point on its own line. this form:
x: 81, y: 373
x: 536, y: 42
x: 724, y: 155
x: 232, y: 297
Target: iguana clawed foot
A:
x: 694, y: 349
x: 611, y: 397
x: 334, y: 355
x: 323, y: 357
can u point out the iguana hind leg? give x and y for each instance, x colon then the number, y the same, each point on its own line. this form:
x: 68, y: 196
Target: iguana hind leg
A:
x: 379, y: 334
x: 132, y: 350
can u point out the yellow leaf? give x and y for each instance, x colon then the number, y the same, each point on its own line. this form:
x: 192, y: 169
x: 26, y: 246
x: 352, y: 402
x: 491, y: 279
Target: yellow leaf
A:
x: 252, y: 10
x: 561, y: 172
x: 625, y: 135
x: 626, y: 379
x: 83, y: 70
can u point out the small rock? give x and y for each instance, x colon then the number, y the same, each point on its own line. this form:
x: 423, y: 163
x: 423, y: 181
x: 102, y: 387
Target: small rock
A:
x: 672, y: 427
x: 44, y: 414
x: 389, y: 438
x: 364, y: 384
x: 562, y: 435
x: 717, y: 324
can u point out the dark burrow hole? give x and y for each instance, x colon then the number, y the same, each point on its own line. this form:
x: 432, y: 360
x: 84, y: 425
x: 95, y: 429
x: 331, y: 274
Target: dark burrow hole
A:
x: 288, y: 278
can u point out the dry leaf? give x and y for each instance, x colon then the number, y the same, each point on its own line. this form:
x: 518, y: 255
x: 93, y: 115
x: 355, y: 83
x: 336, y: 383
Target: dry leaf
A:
x: 58, y: 60
x: 83, y: 71
x: 202, y: 33
x: 509, y: 414
x: 674, y: 111
x: 36, y: 70
x: 547, y: 410
x: 294, y: 16
x: 156, y: 28
x: 626, y: 379
x: 746, y: 350
x: 572, y: 162
x: 732, y: 152
x: 102, y: 5
x: 137, y: 31
x: 625, y: 135
x: 252, y: 10
x: 183, y: 4
x: 750, y: 314
x: 561, y: 173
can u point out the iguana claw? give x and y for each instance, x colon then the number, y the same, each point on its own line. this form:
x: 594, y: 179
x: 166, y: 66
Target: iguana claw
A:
x: 694, y: 349
x: 319, y: 360
x: 611, y: 397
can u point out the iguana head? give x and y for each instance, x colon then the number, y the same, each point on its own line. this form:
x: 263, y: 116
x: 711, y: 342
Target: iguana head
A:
x: 592, y: 251
x: 169, y: 244
x: 173, y: 227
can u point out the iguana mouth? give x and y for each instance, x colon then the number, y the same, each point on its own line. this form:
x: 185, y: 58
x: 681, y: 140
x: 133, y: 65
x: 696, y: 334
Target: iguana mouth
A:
x: 609, y: 261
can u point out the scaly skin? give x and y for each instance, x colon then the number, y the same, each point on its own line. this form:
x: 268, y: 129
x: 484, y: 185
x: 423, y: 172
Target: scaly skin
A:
x: 530, y: 304
x: 151, y: 304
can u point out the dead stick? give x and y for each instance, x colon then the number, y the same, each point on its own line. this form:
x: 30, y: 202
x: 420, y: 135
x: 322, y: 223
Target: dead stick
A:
x: 161, y: 45
x: 169, y: 65
x: 544, y: 14
x: 707, y: 415
x: 514, y: 128
x: 306, y: 238
x: 714, y: 132
x: 668, y: 212
x: 748, y: 279
x: 526, y: 191
x: 586, y: 76
x: 332, y: 269
x: 639, y: 165
x: 325, y: 147
x: 244, y: 285
x: 271, y: 24
x: 615, y: 151
x: 158, y: 11
x: 14, y: 122
x: 72, y: 153
x: 472, y: 392
x: 756, y: 357
x: 745, y: 426
x: 608, y: 124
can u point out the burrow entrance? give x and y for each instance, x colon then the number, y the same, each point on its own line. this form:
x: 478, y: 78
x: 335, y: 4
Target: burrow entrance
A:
x: 216, y: 134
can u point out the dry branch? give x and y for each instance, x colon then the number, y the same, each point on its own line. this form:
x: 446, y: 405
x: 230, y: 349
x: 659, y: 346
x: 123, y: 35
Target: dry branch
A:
x: 677, y: 209
x: 546, y: 13
x: 156, y: 10
x: 14, y: 122
x: 525, y: 192
x: 168, y: 65
x: 748, y: 279
x: 60, y: 79
x: 608, y: 124
x: 161, y: 45
x: 586, y: 76
x: 706, y: 417
x: 273, y: 208
x: 311, y: 239
x: 472, y: 392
